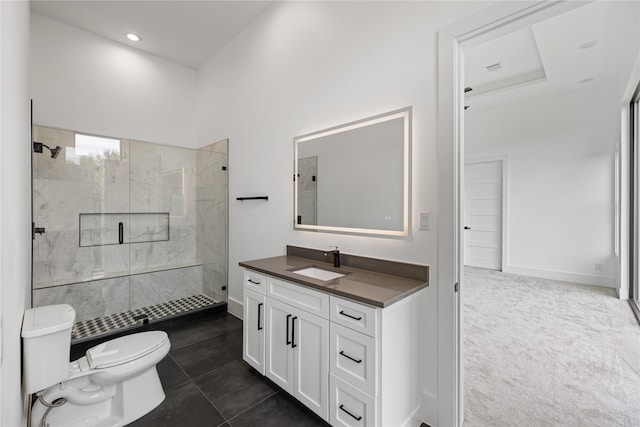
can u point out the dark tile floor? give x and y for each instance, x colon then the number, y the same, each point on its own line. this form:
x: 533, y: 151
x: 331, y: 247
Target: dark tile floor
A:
x: 208, y: 384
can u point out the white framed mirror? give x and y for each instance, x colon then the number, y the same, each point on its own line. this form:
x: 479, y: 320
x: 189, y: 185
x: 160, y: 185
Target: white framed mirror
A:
x: 355, y: 178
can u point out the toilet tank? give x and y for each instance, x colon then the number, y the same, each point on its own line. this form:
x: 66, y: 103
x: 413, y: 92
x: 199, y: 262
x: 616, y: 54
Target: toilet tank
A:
x: 46, y: 338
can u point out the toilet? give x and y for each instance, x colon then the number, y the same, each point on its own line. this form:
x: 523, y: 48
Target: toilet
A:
x: 113, y: 384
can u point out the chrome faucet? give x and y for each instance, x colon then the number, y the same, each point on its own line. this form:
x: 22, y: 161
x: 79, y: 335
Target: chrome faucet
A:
x: 336, y: 256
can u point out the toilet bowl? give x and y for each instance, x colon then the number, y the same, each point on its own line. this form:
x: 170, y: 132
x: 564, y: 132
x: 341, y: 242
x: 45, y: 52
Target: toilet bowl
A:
x: 113, y: 384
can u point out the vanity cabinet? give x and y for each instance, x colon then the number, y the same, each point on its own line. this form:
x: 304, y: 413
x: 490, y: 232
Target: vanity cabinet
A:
x: 352, y: 363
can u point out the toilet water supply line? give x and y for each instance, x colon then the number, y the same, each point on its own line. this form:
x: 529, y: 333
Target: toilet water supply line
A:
x: 56, y: 403
x: 77, y: 396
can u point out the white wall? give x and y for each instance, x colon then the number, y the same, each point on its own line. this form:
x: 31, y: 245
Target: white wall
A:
x: 561, y: 180
x: 84, y: 82
x: 15, y: 202
x: 306, y: 66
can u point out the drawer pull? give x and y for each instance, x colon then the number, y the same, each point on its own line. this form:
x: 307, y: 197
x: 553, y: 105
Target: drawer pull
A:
x: 288, y: 317
x: 350, y: 414
x: 293, y: 332
x: 252, y: 281
x: 348, y: 315
x: 342, y: 353
x: 259, y: 316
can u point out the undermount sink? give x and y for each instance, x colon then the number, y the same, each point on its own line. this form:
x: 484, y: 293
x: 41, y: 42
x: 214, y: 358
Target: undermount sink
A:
x: 318, y: 273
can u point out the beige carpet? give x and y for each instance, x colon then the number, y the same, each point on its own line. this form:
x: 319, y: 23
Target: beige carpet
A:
x: 546, y: 353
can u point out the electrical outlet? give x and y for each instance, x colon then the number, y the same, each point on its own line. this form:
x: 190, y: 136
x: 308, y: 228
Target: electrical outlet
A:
x: 598, y: 266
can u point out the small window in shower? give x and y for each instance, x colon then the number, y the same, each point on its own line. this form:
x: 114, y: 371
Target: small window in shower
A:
x: 93, y: 146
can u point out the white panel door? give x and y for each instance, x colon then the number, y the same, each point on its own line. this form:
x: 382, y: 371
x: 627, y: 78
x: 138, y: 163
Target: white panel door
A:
x: 253, y: 330
x: 483, y: 214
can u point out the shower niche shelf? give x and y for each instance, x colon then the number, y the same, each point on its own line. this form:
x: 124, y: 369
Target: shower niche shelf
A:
x: 101, y: 229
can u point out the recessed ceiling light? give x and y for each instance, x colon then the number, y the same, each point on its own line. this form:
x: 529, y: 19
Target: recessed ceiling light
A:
x: 589, y: 44
x: 133, y: 37
x: 494, y: 67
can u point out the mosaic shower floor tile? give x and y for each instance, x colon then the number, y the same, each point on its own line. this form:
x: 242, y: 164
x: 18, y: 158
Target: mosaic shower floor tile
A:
x: 102, y: 325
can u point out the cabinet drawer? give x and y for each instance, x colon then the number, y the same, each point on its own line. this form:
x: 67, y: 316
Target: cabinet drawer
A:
x: 299, y: 296
x: 349, y: 406
x: 359, y: 317
x: 352, y: 357
x: 255, y: 281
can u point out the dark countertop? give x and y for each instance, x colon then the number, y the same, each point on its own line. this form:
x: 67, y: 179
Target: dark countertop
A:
x: 370, y: 287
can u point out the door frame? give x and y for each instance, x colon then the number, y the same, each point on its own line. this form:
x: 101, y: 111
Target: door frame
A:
x: 504, y: 249
x: 489, y: 23
x: 633, y: 142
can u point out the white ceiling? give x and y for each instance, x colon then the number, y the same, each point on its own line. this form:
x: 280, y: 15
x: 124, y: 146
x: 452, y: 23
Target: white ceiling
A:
x: 187, y: 32
x: 536, y: 61
x: 555, y: 55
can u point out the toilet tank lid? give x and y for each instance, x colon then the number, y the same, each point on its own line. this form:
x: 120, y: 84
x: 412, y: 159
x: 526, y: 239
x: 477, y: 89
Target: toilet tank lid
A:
x: 124, y: 349
x: 47, y: 320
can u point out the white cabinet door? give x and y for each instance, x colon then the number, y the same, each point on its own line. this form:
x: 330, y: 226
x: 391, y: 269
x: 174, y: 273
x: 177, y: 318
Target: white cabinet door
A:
x: 311, y: 361
x: 279, y: 357
x: 253, y: 330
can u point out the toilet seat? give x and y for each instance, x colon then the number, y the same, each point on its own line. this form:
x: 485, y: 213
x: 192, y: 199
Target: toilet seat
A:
x: 125, y: 349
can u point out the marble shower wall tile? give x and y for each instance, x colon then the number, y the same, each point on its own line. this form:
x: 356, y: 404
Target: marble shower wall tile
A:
x: 163, y: 179
x: 162, y: 286
x: 66, y: 262
x: 89, y: 299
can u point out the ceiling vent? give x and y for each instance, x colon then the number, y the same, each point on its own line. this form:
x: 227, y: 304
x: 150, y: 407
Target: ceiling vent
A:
x: 494, y: 67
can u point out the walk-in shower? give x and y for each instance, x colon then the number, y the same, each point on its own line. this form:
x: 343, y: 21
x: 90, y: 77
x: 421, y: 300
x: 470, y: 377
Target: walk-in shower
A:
x: 126, y: 231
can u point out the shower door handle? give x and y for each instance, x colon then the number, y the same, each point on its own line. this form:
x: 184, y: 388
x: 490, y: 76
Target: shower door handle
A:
x: 120, y: 233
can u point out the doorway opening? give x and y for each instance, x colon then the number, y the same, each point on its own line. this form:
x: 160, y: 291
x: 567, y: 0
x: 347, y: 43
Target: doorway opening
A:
x: 488, y: 24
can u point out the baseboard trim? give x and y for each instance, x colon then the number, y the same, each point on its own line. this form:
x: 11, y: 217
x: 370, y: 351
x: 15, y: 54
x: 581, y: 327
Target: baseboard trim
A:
x: 584, y: 279
x: 413, y: 419
x: 429, y: 409
x: 235, y: 308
